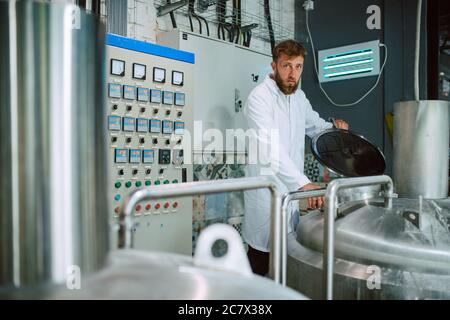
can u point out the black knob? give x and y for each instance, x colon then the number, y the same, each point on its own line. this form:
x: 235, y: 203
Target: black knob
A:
x: 161, y: 171
x: 128, y: 140
x: 142, y: 109
x: 155, y: 141
x: 179, y: 114
x: 129, y: 108
x: 168, y: 112
x: 179, y: 141
x: 113, y: 139
x: 142, y: 140
x: 121, y: 173
x: 135, y: 171
x: 148, y: 171
x: 167, y: 142
x: 115, y: 106
x: 155, y: 111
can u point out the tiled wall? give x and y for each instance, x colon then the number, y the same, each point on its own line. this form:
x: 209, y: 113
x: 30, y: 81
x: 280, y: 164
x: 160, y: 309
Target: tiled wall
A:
x: 217, y: 208
x: 229, y: 207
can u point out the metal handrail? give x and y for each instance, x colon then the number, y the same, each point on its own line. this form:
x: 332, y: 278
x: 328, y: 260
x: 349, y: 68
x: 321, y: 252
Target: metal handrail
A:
x: 125, y: 239
x: 286, y: 199
x: 330, y: 214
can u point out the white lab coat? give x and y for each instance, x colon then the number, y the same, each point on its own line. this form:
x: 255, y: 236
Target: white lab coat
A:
x: 283, y: 157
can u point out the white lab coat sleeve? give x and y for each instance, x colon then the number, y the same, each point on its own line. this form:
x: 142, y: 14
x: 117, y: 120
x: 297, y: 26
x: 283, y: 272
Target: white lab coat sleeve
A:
x: 273, y: 155
x: 314, y: 124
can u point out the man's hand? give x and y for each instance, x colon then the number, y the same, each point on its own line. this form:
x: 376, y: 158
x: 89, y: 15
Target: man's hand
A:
x: 316, y: 202
x: 341, y: 124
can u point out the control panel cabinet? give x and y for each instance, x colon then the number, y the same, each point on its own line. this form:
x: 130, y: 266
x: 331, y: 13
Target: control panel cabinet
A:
x: 150, y: 114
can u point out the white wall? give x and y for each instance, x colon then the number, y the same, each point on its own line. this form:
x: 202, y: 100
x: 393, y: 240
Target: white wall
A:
x: 144, y: 25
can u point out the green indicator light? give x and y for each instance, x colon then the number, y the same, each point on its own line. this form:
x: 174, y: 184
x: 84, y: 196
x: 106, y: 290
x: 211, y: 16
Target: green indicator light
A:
x: 148, y: 183
x: 117, y: 197
x: 128, y: 184
x: 157, y: 182
x: 138, y: 184
x: 117, y: 185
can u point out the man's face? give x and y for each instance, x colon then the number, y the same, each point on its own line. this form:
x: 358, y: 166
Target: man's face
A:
x: 287, y: 71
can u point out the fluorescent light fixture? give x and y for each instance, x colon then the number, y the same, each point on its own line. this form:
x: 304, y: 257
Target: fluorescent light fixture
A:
x: 343, y: 73
x: 340, y: 65
x: 348, y: 55
x: 348, y: 62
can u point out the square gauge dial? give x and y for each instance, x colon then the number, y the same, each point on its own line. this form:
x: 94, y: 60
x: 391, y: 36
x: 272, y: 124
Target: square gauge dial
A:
x: 159, y: 75
x: 177, y: 78
x: 117, y: 67
x: 139, y: 71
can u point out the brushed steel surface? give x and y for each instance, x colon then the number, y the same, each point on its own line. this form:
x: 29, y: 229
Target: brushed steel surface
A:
x: 421, y: 142
x: 53, y: 203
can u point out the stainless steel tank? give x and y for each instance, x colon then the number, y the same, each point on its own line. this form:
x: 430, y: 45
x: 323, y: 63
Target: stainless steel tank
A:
x: 421, y: 142
x: 132, y: 274
x: 53, y: 213
x: 381, y: 253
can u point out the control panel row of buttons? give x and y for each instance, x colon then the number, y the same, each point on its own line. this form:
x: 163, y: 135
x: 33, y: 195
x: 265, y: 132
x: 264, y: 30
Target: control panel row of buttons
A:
x: 140, y: 209
x: 127, y: 124
x: 141, y: 94
x: 142, y: 140
x: 147, y: 156
x: 129, y: 108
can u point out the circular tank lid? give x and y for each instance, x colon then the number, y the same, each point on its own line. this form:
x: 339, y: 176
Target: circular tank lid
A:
x: 347, y: 153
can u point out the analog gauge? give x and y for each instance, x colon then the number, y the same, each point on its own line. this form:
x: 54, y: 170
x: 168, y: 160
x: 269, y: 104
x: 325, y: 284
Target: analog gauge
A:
x: 139, y: 71
x: 159, y: 75
x: 117, y: 67
x: 177, y: 78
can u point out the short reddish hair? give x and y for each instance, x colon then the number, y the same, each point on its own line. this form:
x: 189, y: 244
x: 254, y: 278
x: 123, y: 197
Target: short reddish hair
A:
x: 291, y: 48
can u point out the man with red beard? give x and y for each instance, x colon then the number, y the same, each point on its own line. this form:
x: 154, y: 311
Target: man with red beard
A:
x: 278, y: 115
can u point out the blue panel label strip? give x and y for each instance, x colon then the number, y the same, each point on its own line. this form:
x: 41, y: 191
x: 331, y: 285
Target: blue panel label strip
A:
x: 149, y: 48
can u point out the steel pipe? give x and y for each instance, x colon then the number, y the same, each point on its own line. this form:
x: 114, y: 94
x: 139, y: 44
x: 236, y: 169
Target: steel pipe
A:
x: 286, y: 199
x: 125, y: 239
x: 330, y: 214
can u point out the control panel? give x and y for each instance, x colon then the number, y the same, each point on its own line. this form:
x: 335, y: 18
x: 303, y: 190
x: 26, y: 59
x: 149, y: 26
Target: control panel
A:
x: 149, y: 103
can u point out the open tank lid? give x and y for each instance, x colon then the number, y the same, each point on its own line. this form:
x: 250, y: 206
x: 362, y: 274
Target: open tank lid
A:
x: 347, y: 153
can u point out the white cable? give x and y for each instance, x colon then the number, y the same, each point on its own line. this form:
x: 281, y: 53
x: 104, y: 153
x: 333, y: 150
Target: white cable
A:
x: 317, y: 72
x: 416, y: 60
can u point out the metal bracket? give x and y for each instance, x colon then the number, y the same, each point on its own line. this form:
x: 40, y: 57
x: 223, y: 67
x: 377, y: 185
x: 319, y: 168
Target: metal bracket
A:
x: 168, y: 8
